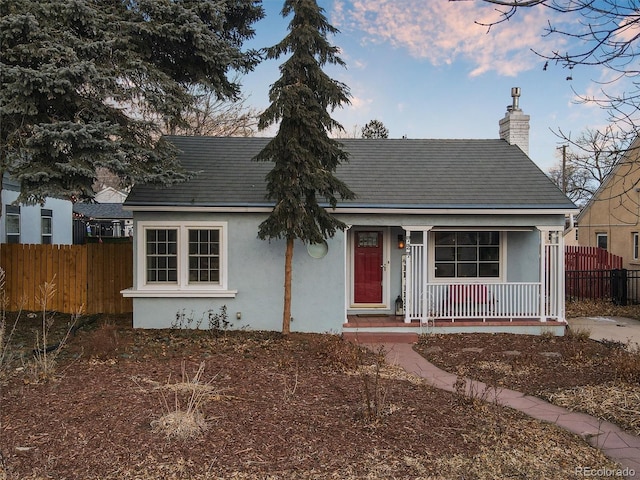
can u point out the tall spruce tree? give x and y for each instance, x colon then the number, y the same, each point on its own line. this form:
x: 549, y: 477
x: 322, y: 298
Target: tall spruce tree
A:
x: 78, y: 78
x: 305, y: 158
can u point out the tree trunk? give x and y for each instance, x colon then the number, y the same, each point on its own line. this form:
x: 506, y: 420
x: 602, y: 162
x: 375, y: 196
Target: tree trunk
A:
x: 286, y: 315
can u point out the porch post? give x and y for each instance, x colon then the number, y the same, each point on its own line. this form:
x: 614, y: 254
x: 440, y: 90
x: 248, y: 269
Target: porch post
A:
x: 408, y: 278
x: 346, y: 274
x: 551, y: 273
x: 416, y: 273
x: 555, y: 273
x: 543, y: 273
x: 561, y: 278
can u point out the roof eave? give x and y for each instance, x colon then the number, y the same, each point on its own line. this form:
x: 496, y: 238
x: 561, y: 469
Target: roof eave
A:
x: 369, y: 209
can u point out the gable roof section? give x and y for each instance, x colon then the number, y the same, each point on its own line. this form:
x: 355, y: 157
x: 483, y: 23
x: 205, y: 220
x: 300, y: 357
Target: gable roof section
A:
x: 629, y: 159
x: 384, y: 173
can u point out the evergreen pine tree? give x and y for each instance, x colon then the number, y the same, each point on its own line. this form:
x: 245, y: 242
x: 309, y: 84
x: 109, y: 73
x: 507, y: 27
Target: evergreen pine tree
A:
x: 78, y: 79
x: 375, y: 129
x: 305, y: 158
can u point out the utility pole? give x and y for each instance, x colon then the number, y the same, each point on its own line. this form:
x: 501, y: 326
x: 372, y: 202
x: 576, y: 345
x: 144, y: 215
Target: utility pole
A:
x: 564, y: 169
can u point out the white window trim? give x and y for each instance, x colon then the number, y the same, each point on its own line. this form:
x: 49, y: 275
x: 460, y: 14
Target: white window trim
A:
x: 16, y: 213
x: 42, y: 234
x: 432, y: 263
x: 182, y: 288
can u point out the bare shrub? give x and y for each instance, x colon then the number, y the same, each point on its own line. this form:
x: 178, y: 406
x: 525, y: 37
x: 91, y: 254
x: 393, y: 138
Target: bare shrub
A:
x: 579, y: 334
x: 42, y: 366
x: 6, y: 330
x: 183, y: 419
x: 334, y: 352
x: 373, y: 392
x: 290, y: 385
x: 104, y: 341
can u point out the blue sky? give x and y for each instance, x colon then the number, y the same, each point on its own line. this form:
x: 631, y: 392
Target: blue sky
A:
x: 426, y: 70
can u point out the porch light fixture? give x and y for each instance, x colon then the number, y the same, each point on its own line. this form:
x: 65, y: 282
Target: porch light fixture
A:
x: 401, y: 241
x: 399, y: 306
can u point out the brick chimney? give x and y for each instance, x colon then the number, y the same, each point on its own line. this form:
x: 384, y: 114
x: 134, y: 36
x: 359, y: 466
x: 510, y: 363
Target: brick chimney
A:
x: 514, y: 127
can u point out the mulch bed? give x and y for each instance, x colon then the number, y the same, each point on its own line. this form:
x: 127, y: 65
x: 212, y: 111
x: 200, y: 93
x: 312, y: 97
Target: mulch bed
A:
x: 280, y: 407
x: 526, y: 363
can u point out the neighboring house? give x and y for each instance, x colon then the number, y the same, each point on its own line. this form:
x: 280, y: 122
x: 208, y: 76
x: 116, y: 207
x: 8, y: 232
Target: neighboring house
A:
x: 610, y: 219
x: 35, y: 224
x: 110, y: 195
x: 451, y: 235
x: 102, y: 219
x: 571, y: 236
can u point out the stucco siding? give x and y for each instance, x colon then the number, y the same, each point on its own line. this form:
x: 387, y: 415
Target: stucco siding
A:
x: 523, y: 256
x: 321, y: 294
x: 256, y: 271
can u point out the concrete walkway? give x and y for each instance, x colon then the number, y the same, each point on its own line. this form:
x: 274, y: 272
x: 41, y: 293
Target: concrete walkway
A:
x: 617, y: 329
x: 616, y: 444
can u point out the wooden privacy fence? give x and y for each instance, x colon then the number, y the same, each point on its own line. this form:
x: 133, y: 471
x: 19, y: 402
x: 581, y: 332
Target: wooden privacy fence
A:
x: 588, y: 272
x: 590, y: 258
x: 86, y: 276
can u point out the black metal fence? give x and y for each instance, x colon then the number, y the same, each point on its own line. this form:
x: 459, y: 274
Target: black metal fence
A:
x: 621, y: 286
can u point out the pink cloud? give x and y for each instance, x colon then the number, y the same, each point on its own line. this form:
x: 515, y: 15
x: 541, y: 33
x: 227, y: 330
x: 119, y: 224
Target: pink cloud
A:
x: 442, y: 32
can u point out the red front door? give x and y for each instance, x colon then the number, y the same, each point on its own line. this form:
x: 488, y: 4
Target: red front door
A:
x: 367, y: 275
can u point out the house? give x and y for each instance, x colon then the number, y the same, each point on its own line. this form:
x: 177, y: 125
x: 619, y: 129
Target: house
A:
x: 103, y: 219
x: 610, y: 220
x: 444, y: 236
x: 109, y: 195
x: 34, y: 224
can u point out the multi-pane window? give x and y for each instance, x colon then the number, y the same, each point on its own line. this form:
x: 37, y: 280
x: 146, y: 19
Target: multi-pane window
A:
x: 467, y: 254
x: 12, y: 223
x: 189, y: 255
x: 602, y: 240
x: 162, y: 255
x: 46, y: 222
x: 204, y: 255
x: 636, y: 247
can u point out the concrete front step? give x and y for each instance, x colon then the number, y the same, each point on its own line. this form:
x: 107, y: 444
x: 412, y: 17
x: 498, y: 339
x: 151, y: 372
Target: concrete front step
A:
x: 380, y: 337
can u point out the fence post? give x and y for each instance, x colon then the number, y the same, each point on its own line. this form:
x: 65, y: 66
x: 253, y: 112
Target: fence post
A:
x: 619, y: 286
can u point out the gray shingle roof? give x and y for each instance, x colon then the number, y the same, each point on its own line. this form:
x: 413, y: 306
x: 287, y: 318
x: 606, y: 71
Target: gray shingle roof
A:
x: 102, y: 211
x: 384, y: 173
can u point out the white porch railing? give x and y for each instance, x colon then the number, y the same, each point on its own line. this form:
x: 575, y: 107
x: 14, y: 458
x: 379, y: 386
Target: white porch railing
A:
x: 482, y: 301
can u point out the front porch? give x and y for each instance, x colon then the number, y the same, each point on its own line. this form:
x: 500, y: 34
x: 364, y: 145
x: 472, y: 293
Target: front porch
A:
x: 393, y: 328
x: 460, y: 280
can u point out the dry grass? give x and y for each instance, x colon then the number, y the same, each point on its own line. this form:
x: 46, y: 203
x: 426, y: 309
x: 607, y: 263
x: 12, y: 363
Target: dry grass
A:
x: 615, y: 402
x: 605, y: 308
x: 183, y: 419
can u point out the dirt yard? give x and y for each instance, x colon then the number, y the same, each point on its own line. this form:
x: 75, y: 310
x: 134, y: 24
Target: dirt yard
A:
x: 268, y: 407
